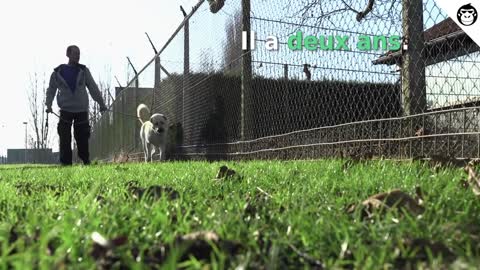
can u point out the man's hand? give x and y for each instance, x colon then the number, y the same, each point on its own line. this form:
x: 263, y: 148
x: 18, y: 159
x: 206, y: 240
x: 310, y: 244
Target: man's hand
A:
x: 48, y: 110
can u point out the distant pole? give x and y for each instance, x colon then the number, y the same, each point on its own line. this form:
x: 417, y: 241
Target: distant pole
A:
x: 130, y: 108
x: 119, y: 84
x: 157, y: 73
x: 156, y: 82
x: 135, y: 71
x: 186, y: 48
x: 25, y: 158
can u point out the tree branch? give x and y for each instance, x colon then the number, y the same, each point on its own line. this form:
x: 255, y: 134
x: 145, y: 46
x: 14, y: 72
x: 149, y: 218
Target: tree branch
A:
x: 36, y: 100
x: 349, y: 7
x: 368, y: 9
x: 326, y: 14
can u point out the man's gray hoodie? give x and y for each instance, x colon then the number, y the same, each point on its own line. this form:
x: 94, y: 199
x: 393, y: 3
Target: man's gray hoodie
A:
x: 73, y: 101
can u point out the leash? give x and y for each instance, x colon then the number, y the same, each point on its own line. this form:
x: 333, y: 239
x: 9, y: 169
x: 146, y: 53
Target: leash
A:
x: 125, y: 114
x: 69, y: 122
x: 46, y: 130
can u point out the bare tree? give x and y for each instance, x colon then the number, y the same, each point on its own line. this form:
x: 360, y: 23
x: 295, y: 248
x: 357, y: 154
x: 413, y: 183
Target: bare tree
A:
x: 105, y: 88
x: 36, y: 93
x: 318, y: 11
x: 207, y: 64
x: 233, y: 50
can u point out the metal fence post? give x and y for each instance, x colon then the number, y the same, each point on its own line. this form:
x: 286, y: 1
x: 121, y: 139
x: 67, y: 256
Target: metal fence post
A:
x: 186, y: 47
x: 186, y: 67
x: 246, y: 68
x: 156, y: 85
x: 134, y: 125
x: 127, y: 108
x: 413, y: 69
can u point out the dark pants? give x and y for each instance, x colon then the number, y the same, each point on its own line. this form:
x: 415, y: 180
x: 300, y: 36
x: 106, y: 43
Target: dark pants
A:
x: 81, y: 132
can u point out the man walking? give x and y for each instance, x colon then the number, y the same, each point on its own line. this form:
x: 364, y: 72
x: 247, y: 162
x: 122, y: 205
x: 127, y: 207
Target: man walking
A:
x: 71, y: 81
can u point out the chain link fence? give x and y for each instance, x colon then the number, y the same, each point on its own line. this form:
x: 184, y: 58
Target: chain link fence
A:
x: 387, y: 78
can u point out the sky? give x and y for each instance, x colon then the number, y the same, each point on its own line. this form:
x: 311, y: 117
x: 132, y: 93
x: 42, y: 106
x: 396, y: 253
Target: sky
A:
x: 35, y: 35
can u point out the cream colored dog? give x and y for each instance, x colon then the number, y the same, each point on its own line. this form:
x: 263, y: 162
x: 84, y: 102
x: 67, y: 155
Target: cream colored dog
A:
x: 153, y: 132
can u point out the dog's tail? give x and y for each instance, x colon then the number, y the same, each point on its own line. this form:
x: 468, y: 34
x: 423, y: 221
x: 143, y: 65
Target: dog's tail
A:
x: 143, y: 113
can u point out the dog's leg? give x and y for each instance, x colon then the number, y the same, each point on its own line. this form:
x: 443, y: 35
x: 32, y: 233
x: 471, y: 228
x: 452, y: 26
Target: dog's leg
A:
x: 148, y: 153
x: 145, y: 151
x: 154, y: 152
x: 161, y: 155
x: 144, y: 148
x: 144, y: 143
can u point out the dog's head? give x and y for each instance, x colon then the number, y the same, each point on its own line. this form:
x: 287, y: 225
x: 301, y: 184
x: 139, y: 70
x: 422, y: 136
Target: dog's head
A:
x: 159, y: 122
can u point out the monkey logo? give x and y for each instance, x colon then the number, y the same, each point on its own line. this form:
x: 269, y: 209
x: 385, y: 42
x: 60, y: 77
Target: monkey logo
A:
x: 467, y: 15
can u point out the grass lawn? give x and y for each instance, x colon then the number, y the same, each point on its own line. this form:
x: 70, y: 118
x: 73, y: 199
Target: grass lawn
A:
x: 270, y: 215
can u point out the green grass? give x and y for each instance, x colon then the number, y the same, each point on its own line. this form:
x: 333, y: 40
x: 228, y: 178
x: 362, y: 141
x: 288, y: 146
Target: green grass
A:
x: 20, y: 166
x: 296, y: 204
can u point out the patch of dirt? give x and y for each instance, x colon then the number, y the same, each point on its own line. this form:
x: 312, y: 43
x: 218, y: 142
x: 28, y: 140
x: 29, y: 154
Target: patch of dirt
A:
x: 226, y: 173
x: 154, y: 192
x: 256, y: 205
x: 418, y: 250
x: 197, y: 244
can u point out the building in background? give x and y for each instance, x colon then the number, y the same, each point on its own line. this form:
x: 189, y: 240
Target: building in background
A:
x: 35, y: 156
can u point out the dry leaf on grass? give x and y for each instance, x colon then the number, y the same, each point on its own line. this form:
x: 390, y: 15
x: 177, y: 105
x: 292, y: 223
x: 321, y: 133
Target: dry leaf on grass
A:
x: 442, y: 161
x: 388, y: 200
x: 100, y: 200
x: 196, y: 244
x: 473, y: 179
x: 463, y: 183
x: 355, y: 159
x: 199, y: 245
x: 256, y: 204
x: 103, y: 250
x: 224, y: 172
